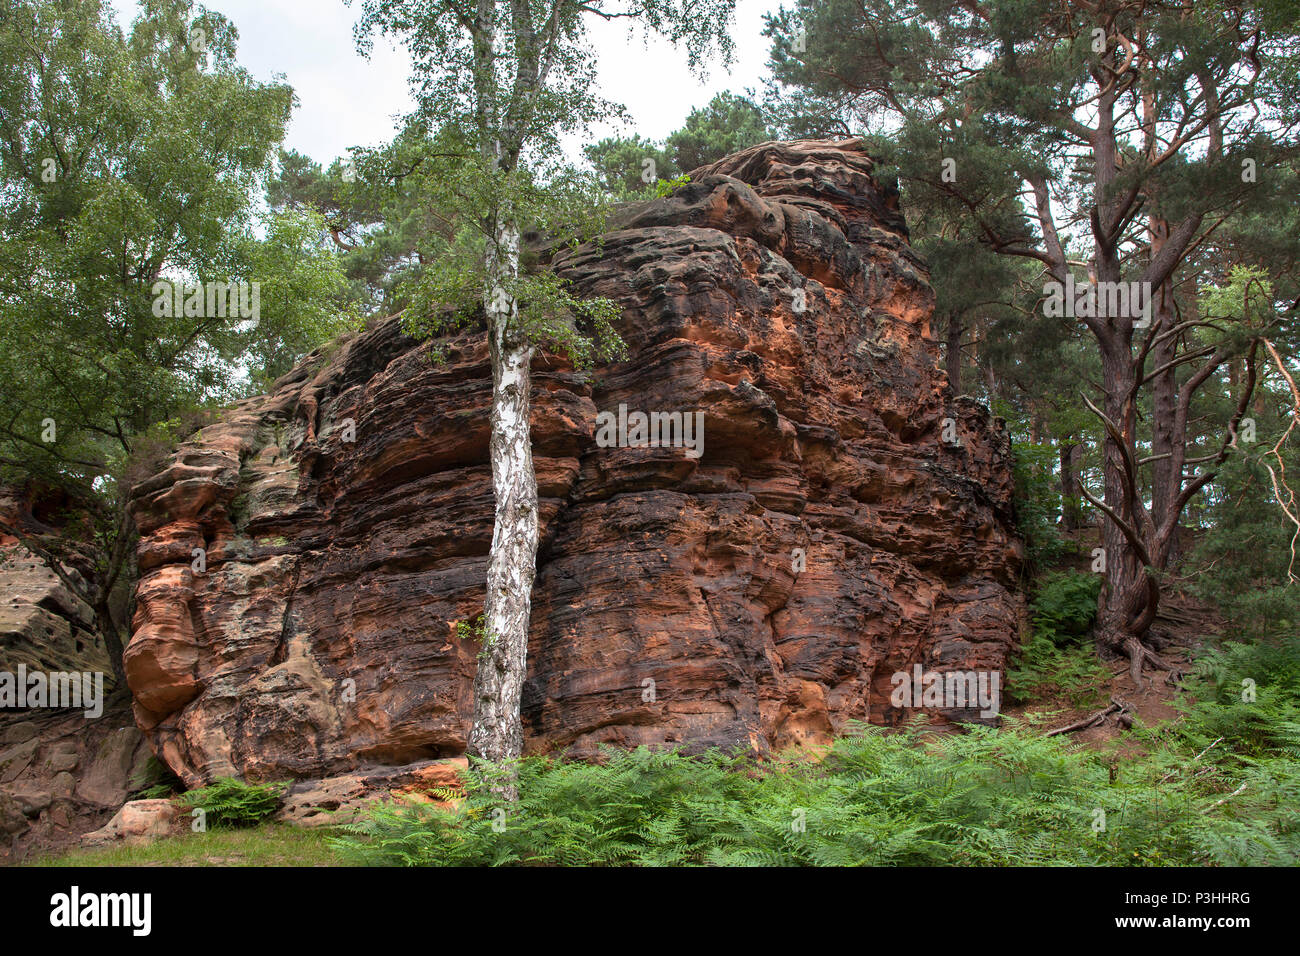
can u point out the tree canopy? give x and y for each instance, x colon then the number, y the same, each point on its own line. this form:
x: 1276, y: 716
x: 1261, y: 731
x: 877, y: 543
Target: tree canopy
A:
x: 139, y: 280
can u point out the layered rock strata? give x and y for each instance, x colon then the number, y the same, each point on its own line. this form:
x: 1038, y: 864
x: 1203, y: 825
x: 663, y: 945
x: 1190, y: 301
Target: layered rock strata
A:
x: 843, y: 518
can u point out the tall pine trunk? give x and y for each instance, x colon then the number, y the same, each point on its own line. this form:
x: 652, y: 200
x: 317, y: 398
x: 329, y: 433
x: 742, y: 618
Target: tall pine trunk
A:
x: 1071, y: 453
x: 1124, y: 597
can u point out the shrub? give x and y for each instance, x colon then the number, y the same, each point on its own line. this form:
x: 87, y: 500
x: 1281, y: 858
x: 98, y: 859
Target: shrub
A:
x: 1042, y: 669
x: 232, y: 803
x: 1242, y: 562
x: 1037, y: 502
x: 1056, y: 660
x: 1247, y: 696
x: 1064, y: 605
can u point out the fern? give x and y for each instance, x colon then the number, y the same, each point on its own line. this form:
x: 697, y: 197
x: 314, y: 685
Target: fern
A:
x: 232, y: 803
x: 982, y: 797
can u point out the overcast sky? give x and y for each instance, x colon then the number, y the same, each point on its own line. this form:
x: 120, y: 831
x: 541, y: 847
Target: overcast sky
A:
x: 345, y: 100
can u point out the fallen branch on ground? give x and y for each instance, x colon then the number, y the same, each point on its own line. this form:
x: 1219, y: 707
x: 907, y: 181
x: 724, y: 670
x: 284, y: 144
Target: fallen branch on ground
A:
x: 1116, y: 707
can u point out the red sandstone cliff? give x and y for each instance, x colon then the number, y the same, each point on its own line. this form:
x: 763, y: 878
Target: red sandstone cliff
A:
x: 667, y: 607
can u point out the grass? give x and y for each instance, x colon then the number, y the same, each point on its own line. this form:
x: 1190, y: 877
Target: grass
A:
x: 270, y: 844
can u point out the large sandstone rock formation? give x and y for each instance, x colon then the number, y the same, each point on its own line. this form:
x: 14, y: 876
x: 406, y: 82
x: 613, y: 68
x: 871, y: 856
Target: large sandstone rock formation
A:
x: 778, y: 295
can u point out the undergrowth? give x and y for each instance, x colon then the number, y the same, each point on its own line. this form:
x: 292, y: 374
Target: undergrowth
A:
x: 1218, y: 788
x: 230, y: 803
x: 1058, y: 661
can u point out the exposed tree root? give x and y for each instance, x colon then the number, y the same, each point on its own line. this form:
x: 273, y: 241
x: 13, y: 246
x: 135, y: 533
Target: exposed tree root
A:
x: 1118, y: 707
x: 1138, y: 653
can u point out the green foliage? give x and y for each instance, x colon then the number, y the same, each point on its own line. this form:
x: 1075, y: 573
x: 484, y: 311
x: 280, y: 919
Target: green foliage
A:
x: 666, y: 187
x: 1037, y: 500
x: 381, y: 209
x: 477, y: 632
x: 271, y: 844
x: 1217, y: 788
x: 303, y: 293
x: 1043, y: 670
x: 157, y: 791
x: 1064, y: 605
x: 621, y: 164
x: 232, y: 803
x: 1056, y: 660
x: 1236, y: 308
x: 448, y: 296
x: 986, y: 797
x: 1226, y: 680
x: 129, y: 161
x: 1243, y: 560
x: 728, y: 123
x: 485, y: 159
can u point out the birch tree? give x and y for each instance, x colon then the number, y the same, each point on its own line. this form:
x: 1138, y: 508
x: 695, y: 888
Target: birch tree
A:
x: 500, y: 82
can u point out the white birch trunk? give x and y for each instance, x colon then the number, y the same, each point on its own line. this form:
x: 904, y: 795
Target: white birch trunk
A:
x: 497, y: 734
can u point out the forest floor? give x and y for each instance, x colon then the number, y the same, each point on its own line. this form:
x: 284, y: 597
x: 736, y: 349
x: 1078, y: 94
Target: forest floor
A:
x: 1182, y: 627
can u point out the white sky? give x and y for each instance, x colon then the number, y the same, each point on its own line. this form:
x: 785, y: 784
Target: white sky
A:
x: 345, y: 100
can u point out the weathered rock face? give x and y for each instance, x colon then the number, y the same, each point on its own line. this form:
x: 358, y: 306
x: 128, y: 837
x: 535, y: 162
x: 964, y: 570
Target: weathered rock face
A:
x: 762, y: 593
x: 44, y: 625
x: 65, y: 775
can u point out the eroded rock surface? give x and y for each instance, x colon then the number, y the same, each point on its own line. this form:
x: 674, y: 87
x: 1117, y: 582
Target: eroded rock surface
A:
x: 44, y: 625
x: 762, y: 594
x: 63, y: 775
x: 137, y: 823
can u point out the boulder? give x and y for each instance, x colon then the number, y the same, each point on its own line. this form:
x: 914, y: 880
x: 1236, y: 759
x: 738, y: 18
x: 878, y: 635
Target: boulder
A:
x: 15, y: 760
x: 31, y: 798
x: 12, y: 819
x: 137, y: 822
x: 18, y: 732
x: 106, y: 782
x: 335, y: 800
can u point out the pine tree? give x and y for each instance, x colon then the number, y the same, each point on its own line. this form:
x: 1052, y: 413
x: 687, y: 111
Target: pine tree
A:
x: 1106, y: 142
